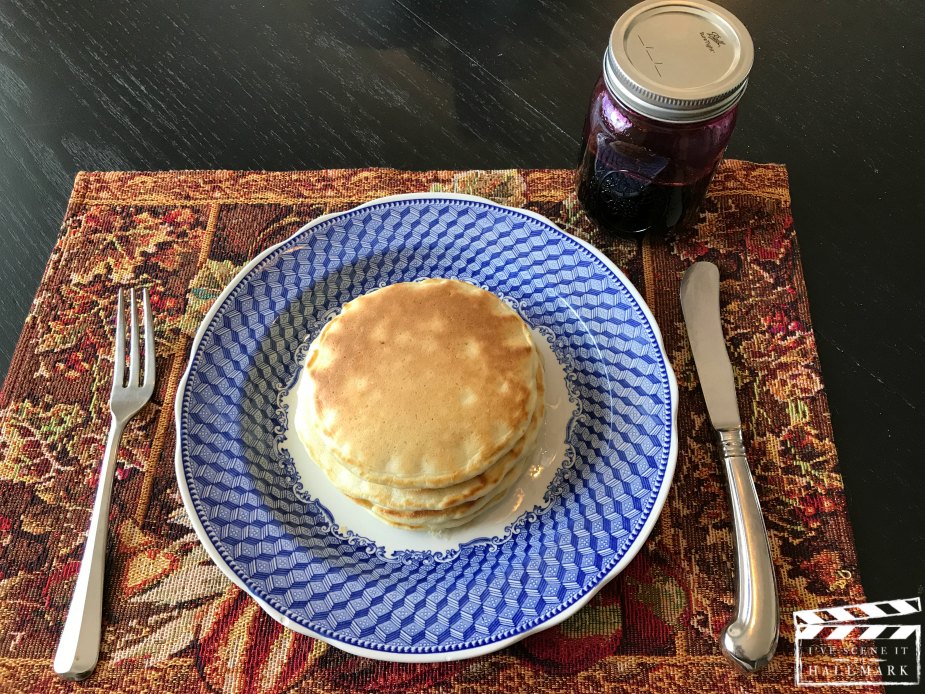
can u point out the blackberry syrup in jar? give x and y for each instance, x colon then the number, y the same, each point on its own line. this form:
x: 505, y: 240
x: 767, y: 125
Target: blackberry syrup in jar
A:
x: 661, y: 114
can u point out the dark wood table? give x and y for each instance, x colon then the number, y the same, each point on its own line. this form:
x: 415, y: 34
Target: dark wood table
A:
x: 836, y: 94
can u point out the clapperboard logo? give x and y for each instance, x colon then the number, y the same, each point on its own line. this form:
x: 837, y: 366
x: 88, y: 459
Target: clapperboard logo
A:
x: 839, y: 645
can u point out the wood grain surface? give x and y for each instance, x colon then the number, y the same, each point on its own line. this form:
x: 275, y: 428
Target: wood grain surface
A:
x: 837, y: 94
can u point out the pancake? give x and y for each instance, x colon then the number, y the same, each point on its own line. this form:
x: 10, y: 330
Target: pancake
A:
x: 421, y: 385
x: 449, y: 518
x: 423, y: 499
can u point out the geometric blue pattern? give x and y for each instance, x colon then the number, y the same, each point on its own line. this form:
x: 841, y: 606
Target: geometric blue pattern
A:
x: 279, y: 543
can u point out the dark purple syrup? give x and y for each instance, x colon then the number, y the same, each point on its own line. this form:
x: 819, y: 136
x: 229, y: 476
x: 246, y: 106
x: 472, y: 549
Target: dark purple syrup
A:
x: 642, y: 176
x: 630, y: 205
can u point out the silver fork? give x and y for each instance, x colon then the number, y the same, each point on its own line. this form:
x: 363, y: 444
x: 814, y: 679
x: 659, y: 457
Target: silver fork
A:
x: 79, y: 646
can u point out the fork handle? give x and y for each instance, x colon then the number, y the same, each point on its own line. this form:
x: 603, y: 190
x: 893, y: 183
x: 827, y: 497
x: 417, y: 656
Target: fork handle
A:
x: 79, y: 646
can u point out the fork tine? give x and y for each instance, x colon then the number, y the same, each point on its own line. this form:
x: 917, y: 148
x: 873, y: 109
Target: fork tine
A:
x: 134, y: 357
x: 118, y: 363
x: 149, y: 340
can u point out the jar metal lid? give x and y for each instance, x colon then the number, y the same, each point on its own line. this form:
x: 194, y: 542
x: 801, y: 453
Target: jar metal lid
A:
x: 679, y: 61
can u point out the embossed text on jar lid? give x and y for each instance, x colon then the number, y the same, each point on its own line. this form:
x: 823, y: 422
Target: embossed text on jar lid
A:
x: 678, y: 60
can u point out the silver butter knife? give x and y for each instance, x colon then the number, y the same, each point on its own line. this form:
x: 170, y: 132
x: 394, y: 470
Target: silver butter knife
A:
x: 750, y: 640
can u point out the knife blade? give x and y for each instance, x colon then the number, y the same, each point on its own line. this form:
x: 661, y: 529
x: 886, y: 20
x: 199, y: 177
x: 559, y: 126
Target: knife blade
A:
x: 700, y: 305
x: 751, y: 638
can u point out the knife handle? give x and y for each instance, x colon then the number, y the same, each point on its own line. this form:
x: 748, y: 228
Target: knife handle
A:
x: 750, y: 640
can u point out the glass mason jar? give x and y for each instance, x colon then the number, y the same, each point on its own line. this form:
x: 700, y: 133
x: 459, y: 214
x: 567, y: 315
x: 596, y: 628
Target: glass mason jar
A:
x: 661, y: 114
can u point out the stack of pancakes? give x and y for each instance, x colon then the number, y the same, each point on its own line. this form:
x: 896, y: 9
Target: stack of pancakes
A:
x: 422, y: 402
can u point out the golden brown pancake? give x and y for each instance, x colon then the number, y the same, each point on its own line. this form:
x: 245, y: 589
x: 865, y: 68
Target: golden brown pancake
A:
x: 426, y: 499
x: 450, y: 518
x: 421, y: 384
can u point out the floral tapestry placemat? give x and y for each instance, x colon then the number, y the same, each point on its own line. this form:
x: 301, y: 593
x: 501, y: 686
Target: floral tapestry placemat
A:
x: 173, y: 623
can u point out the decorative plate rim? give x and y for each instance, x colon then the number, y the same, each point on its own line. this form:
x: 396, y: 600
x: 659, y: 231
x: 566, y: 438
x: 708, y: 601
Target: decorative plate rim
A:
x: 460, y: 653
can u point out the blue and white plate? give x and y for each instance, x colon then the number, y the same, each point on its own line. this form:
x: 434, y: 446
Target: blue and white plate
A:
x: 321, y: 565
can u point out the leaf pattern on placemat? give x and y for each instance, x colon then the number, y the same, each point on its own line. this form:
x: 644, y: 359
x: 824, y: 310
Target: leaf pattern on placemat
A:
x: 204, y: 289
x: 174, y: 623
